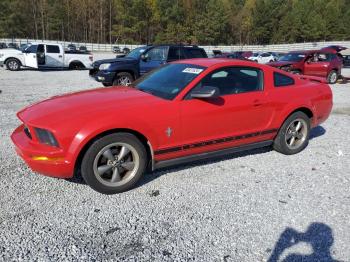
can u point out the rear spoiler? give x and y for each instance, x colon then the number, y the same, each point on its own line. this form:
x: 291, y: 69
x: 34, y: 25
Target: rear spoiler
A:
x: 313, y: 79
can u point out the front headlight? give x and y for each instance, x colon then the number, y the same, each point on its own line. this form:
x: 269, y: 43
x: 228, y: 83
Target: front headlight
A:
x: 46, y: 137
x: 104, y: 66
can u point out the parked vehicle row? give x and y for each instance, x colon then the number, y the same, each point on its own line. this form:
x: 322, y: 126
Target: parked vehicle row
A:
x: 326, y: 62
x: 42, y: 55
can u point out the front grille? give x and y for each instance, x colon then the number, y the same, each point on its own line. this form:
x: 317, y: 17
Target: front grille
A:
x: 27, y: 132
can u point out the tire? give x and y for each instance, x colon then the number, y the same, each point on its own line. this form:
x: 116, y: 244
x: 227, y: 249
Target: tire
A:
x: 13, y: 64
x: 123, y: 79
x: 332, y: 77
x: 98, y: 167
x: 283, y: 140
x: 106, y: 84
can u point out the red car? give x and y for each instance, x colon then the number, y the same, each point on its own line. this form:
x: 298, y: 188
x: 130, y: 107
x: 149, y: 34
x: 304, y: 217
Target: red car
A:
x: 323, y: 63
x: 180, y: 112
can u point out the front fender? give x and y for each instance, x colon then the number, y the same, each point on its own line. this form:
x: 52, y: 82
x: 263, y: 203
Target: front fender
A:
x: 99, y: 126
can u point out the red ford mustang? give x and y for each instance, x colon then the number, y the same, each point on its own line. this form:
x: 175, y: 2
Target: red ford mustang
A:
x: 183, y: 111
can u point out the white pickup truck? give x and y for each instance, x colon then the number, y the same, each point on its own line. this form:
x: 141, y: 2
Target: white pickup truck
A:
x: 45, y: 56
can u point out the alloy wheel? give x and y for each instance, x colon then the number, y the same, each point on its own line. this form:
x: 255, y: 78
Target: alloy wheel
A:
x: 116, y: 164
x: 124, y: 81
x: 296, y: 133
x: 333, y: 77
x: 13, y: 65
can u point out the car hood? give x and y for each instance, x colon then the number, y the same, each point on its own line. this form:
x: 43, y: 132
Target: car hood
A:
x: 124, y: 60
x: 86, y: 105
x: 11, y: 51
x: 281, y: 63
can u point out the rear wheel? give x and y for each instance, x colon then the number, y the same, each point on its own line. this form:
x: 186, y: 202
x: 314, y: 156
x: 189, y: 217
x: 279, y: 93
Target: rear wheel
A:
x: 332, y: 77
x: 13, y: 64
x: 123, y: 79
x: 114, y: 163
x: 294, y: 134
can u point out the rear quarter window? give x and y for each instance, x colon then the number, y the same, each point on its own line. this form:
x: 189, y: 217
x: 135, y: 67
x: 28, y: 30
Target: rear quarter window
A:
x: 53, y: 49
x: 195, y: 53
x: 281, y: 80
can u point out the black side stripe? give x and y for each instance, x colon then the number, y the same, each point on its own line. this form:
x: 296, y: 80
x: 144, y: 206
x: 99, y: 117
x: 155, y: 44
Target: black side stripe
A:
x: 213, y: 142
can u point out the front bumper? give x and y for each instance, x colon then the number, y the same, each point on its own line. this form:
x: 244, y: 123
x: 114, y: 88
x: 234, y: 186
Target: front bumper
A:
x: 102, y: 75
x: 41, y: 158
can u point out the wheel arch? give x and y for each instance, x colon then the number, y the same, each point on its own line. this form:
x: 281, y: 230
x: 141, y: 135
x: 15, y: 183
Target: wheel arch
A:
x: 130, y: 71
x: 140, y: 136
x: 306, y: 110
x: 11, y: 57
x: 76, y: 62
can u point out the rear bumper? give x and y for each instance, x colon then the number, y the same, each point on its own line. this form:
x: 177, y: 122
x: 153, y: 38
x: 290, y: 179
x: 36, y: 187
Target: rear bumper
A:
x: 40, y: 158
x: 102, y: 76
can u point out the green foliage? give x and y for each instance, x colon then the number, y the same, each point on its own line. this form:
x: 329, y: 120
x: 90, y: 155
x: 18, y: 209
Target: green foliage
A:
x: 211, y: 22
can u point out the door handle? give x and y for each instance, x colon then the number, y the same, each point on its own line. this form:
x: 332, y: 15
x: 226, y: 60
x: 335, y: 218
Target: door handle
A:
x: 60, y: 56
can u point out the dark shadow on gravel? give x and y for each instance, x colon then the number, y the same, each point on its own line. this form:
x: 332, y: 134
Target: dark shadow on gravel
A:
x: 44, y: 70
x: 163, y: 171
x: 317, y: 131
x: 318, y: 235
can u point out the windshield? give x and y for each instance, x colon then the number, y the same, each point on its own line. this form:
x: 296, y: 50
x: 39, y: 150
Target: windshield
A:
x: 169, y: 80
x: 135, y: 53
x: 292, y: 57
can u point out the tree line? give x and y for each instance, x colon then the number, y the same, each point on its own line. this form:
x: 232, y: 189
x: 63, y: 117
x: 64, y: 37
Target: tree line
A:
x: 205, y: 22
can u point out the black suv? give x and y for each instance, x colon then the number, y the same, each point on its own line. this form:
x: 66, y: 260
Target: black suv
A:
x: 124, y: 70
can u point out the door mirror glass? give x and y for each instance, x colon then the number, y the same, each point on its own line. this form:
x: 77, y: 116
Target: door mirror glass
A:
x: 206, y: 92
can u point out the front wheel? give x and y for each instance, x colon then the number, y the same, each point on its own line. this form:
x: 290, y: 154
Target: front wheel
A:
x: 332, y: 77
x: 13, y: 64
x: 293, y: 136
x: 114, y: 163
x: 123, y: 79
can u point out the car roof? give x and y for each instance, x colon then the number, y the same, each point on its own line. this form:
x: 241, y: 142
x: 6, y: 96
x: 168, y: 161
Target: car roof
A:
x: 208, y: 62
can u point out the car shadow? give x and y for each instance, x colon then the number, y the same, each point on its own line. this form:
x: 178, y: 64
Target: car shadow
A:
x: 152, y: 175
x: 316, y: 132
x: 318, y: 235
x: 51, y: 69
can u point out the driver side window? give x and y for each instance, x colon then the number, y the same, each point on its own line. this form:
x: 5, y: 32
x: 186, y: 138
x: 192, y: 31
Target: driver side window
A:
x: 234, y: 80
x: 157, y: 54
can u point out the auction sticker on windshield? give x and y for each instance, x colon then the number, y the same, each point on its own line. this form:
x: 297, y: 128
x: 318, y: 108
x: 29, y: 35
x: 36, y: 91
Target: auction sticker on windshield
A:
x: 192, y: 70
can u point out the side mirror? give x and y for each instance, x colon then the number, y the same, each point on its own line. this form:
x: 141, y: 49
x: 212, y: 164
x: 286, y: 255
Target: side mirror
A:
x: 143, y: 58
x: 206, y: 92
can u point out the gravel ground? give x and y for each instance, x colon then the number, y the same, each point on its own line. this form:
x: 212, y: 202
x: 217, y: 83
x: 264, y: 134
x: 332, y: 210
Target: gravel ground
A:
x: 239, y: 208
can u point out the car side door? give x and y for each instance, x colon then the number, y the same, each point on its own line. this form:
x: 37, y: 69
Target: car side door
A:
x: 241, y: 114
x: 316, y: 66
x: 153, y: 58
x: 53, y: 56
x: 30, y: 56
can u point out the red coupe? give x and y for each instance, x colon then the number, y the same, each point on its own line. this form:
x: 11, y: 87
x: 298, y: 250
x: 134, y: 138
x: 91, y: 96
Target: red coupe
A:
x: 183, y: 111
